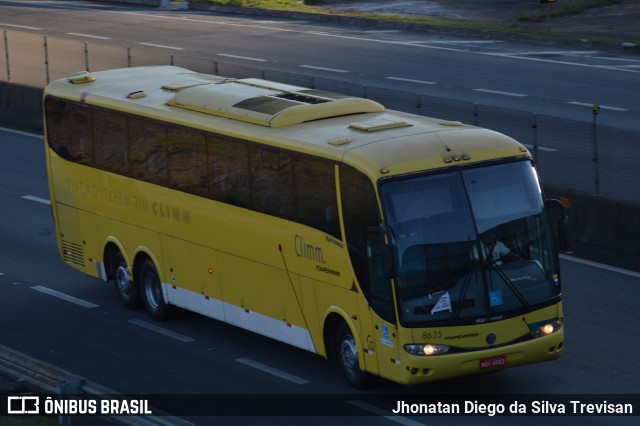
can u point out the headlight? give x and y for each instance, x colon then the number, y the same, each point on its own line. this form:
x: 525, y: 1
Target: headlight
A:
x: 548, y: 328
x: 426, y: 349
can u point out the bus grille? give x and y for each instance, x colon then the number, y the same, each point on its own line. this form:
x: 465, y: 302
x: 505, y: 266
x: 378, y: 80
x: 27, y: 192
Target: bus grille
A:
x: 72, y: 253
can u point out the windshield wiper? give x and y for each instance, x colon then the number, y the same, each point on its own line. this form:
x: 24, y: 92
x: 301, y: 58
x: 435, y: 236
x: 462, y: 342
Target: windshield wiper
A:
x: 509, y: 283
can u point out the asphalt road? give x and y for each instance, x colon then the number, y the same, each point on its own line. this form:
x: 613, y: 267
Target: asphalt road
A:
x: 90, y: 334
x: 538, y: 78
x: 55, y: 314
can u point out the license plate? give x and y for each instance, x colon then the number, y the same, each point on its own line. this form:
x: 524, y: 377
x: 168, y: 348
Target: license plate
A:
x: 493, y: 362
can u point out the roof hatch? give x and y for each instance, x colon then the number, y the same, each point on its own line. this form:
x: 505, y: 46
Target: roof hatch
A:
x: 268, y: 103
x: 378, y: 124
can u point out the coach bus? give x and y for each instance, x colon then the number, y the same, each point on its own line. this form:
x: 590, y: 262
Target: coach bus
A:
x: 408, y: 247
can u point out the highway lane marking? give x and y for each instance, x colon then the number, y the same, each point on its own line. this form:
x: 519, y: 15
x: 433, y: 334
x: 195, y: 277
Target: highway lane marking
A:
x: 248, y: 58
x: 64, y: 296
x: 540, y: 148
x: 20, y: 132
x: 162, y: 46
x: 23, y: 27
x: 313, y: 67
x: 498, y: 92
x: 409, y: 80
x: 383, y: 413
x: 161, y: 330
x: 89, y: 36
x: 601, y: 266
x: 601, y: 106
x: 510, y: 55
x: 36, y: 199
x: 273, y: 371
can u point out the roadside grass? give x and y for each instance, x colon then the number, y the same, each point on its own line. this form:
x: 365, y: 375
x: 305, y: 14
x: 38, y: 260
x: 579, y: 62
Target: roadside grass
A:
x: 566, y: 7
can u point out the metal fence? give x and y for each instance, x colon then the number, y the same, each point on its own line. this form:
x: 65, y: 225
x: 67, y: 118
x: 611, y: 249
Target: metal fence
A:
x: 571, y: 155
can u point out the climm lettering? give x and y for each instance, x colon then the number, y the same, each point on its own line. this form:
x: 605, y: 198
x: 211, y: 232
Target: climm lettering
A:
x: 171, y: 212
x: 307, y: 250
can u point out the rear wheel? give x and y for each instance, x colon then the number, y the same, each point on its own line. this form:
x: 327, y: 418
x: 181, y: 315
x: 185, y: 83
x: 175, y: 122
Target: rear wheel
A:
x: 126, y: 289
x: 152, y: 291
x: 347, y: 356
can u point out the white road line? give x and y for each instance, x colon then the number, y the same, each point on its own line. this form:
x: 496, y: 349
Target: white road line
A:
x: 19, y: 132
x: 36, y: 199
x: 601, y: 106
x: 498, y: 92
x: 24, y: 27
x: 64, y: 296
x: 372, y: 40
x: 88, y: 36
x: 1, y: 274
x: 383, y: 413
x: 540, y: 148
x: 274, y: 371
x: 226, y: 55
x: 322, y: 68
x: 409, y: 80
x: 161, y: 330
x: 601, y: 266
x: 162, y: 46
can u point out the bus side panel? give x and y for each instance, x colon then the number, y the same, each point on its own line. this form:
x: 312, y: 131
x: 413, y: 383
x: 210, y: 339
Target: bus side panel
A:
x: 308, y: 302
x: 192, y: 277
x: 77, y: 239
x: 259, y: 298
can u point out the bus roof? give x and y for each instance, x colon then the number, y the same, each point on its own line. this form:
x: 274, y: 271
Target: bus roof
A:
x: 357, y: 131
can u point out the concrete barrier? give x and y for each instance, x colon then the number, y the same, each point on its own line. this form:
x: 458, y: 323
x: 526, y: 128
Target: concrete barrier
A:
x: 21, y: 107
x: 592, y: 220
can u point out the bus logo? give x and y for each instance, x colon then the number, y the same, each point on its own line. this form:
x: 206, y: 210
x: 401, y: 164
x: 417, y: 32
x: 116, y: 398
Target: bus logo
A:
x: 23, y: 405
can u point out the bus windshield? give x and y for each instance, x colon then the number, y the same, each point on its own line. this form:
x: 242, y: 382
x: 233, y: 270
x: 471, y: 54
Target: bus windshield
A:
x: 473, y: 245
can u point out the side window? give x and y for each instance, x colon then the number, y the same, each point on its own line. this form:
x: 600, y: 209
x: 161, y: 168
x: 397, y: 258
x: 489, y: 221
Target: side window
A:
x: 228, y: 171
x: 315, y: 194
x: 380, y: 296
x: 110, y: 141
x: 57, y: 113
x: 148, y: 150
x: 360, y: 211
x: 270, y: 181
x: 187, y: 161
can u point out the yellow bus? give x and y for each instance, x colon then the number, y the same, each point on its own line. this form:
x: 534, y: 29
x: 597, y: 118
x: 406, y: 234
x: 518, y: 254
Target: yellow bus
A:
x: 402, y: 246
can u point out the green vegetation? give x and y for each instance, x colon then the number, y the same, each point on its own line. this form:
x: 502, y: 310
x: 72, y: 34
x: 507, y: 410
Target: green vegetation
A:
x: 566, y: 8
x: 560, y: 8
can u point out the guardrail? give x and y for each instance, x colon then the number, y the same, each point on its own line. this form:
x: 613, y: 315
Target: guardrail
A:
x: 572, y: 155
x: 51, y: 380
x: 596, y: 165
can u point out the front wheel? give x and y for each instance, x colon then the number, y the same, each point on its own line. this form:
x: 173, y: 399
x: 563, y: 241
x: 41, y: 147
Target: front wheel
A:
x: 347, y: 355
x: 151, y: 290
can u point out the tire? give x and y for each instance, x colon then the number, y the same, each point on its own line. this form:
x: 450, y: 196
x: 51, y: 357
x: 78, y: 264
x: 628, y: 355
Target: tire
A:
x: 151, y: 291
x: 126, y: 289
x: 346, y: 351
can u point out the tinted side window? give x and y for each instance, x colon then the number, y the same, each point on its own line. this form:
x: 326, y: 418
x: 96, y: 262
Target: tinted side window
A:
x: 228, y: 171
x: 270, y: 174
x: 187, y: 161
x: 148, y: 148
x: 110, y: 141
x: 315, y: 194
x: 360, y: 210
